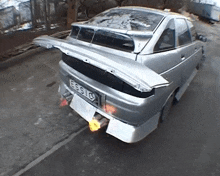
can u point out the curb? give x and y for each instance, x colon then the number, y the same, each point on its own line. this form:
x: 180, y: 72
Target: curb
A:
x: 19, y: 58
x: 23, y: 56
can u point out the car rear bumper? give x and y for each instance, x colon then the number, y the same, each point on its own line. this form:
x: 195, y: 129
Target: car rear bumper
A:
x: 125, y: 132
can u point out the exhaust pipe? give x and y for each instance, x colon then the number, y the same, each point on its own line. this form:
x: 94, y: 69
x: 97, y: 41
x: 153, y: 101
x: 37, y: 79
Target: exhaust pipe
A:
x: 98, y: 122
x: 65, y: 99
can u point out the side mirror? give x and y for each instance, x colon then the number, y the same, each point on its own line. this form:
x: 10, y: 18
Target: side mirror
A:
x: 202, y: 38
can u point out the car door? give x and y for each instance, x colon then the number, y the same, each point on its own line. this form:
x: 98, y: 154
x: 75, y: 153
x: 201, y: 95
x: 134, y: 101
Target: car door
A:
x: 198, y: 50
x: 185, y: 49
x: 164, y: 59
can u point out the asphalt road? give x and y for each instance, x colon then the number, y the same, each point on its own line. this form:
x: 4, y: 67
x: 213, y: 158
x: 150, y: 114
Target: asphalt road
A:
x: 187, y: 143
x: 31, y: 121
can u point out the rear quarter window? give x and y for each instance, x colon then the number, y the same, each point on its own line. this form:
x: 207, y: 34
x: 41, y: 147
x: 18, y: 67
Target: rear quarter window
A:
x: 167, y: 39
x: 192, y: 30
x: 183, y: 34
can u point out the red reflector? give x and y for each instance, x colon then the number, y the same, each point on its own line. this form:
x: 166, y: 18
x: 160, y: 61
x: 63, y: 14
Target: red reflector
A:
x: 109, y: 109
x: 63, y: 102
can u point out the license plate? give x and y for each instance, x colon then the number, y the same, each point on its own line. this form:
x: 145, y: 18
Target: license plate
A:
x: 83, y: 91
x: 83, y: 108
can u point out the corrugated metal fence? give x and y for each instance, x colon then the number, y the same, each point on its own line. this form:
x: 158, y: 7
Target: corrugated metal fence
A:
x: 10, y: 16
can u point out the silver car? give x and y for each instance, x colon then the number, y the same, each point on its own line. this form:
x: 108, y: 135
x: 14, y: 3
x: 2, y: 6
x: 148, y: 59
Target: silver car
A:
x: 124, y: 68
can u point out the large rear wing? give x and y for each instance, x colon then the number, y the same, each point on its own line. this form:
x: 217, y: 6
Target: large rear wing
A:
x: 133, y: 73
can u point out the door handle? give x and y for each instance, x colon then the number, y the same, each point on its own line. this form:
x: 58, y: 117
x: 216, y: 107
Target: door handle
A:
x: 183, y: 57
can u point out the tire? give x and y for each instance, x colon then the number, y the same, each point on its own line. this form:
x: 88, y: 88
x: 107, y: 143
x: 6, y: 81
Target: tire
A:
x: 166, y: 109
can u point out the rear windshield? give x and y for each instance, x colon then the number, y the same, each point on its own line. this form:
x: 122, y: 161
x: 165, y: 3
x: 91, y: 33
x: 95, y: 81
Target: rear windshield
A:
x: 113, y: 40
x: 104, y: 38
x: 127, y: 19
x: 86, y: 34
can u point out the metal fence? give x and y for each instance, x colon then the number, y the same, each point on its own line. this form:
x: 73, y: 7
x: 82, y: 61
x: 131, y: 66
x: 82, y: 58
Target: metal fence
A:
x: 27, y: 11
x: 8, y: 17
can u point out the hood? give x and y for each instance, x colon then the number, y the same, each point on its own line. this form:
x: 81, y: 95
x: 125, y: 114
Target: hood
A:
x: 133, y: 73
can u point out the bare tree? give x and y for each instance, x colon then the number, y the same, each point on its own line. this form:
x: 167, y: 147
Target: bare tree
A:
x: 33, y: 9
x: 46, y: 14
x: 72, y: 11
x: 165, y: 4
x: 119, y: 2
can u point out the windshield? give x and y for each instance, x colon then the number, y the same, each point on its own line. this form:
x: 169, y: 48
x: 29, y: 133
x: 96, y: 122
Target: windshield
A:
x: 127, y: 19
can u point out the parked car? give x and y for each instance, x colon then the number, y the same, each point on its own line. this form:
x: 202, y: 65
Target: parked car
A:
x: 124, y: 67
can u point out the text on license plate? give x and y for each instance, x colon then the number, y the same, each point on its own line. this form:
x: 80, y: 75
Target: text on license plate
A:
x: 82, y: 90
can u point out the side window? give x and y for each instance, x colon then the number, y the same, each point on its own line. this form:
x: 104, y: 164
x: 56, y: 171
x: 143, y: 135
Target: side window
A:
x: 183, y: 33
x: 167, y: 39
x: 192, y: 30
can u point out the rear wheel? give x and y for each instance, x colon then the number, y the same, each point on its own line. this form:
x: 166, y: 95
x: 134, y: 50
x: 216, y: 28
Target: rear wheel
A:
x: 166, y: 109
